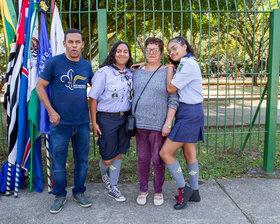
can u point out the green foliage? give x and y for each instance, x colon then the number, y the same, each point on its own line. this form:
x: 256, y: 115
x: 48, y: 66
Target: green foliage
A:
x: 221, y: 31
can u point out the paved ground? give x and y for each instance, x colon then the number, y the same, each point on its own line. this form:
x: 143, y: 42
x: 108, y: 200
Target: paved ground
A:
x: 252, y: 200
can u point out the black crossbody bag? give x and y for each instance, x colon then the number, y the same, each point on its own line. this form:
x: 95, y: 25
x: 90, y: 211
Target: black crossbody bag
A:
x: 131, y: 121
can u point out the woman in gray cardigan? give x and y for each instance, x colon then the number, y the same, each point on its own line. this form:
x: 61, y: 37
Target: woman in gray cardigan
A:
x: 154, y: 114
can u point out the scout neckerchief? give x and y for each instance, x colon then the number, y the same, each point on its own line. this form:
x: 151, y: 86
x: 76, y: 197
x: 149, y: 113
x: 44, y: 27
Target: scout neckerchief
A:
x: 188, y: 56
x: 130, y: 90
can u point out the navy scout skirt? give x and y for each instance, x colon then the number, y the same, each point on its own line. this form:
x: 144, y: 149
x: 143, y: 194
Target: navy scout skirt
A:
x: 189, y: 124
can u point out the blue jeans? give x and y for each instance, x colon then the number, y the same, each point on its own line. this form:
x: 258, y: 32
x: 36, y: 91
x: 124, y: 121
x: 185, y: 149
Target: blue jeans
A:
x: 59, y: 141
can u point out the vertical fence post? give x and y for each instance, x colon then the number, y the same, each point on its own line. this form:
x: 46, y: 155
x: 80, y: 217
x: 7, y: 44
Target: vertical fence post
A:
x: 272, y: 92
x: 102, y: 34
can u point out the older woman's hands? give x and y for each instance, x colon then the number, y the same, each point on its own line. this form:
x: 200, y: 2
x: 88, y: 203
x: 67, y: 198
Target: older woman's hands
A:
x: 165, y: 130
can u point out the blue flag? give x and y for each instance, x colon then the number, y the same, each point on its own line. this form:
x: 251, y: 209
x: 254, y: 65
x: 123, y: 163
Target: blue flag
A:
x: 44, y: 53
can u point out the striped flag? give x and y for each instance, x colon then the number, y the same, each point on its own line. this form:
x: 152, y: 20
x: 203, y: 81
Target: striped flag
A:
x: 11, y: 95
x: 9, y: 20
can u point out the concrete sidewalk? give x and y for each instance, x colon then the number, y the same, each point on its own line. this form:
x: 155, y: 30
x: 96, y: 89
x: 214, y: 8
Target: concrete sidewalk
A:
x: 252, y: 200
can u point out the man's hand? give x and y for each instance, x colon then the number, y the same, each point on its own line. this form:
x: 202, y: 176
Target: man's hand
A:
x: 54, y: 118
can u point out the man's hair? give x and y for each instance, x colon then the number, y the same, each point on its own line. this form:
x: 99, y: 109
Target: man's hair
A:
x: 73, y: 30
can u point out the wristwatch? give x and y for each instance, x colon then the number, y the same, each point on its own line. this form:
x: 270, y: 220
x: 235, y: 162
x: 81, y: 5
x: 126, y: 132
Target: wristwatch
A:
x: 168, y: 126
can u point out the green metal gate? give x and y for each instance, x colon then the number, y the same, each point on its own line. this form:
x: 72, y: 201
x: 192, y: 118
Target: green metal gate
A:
x: 238, y: 47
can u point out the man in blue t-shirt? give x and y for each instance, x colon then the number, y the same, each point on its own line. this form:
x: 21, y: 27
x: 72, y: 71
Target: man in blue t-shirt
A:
x: 68, y: 75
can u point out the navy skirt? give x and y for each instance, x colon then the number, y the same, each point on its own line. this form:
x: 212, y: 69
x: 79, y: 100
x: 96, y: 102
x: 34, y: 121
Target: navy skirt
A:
x: 189, y: 124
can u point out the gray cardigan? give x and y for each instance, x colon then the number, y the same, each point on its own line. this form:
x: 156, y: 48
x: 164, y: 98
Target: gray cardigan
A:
x: 152, y: 108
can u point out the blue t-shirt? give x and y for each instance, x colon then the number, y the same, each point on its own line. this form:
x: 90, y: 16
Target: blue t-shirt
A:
x: 68, y: 83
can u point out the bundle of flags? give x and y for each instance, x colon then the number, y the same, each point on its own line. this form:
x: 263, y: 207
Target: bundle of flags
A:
x: 26, y: 119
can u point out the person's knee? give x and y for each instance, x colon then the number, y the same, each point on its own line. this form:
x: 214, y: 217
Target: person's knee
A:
x: 163, y: 154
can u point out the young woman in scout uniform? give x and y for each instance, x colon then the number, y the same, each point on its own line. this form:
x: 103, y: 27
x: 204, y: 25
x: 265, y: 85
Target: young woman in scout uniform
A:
x: 110, y: 103
x: 189, y: 125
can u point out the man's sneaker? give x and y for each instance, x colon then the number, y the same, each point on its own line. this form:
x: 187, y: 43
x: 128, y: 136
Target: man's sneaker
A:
x: 106, y: 181
x: 57, y: 204
x: 184, y: 195
x: 115, y: 193
x: 82, y: 200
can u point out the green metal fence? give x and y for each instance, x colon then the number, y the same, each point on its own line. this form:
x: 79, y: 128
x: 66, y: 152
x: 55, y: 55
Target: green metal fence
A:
x: 237, y: 45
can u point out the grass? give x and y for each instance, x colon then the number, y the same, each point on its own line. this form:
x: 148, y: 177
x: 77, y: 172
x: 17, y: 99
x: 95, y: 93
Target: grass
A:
x: 218, y: 160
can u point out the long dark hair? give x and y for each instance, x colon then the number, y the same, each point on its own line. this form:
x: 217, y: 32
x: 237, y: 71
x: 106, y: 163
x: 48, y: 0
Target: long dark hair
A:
x: 181, y: 41
x: 110, y: 60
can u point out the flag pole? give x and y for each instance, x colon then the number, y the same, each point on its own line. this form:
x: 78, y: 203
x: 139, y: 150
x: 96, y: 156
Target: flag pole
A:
x: 31, y: 158
x: 17, y: 180
x: 48, y: 163
x: 9, y: 174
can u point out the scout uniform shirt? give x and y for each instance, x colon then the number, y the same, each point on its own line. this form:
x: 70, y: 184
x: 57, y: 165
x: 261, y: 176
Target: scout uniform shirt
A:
x: 188, y: 80
x: 111, y: 90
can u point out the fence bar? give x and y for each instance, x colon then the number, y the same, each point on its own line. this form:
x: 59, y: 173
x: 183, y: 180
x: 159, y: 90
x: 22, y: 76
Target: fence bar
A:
x: 258, y: 111
x: 102, y: 34
x: 272, y: 92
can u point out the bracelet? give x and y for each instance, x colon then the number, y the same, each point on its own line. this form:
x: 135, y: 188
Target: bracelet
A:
x: 168, y: 126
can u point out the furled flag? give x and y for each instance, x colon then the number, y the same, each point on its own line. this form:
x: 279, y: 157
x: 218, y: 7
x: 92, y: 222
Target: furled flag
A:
x: 25, y: 143
x: 12, y: 92
x: 33, y: 104
x: 44, y: 52
x: 57, y: 34
x: 9, y: 20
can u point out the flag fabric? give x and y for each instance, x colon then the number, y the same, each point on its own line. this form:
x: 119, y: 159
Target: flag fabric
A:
x: 9, y: 20
x: 44, y: 52
x: 11, y: 95
x: 33, y: 103
x: 24, y: 142
x: 57, y: 34
x: 3, y: 177
x: 28, y: 136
